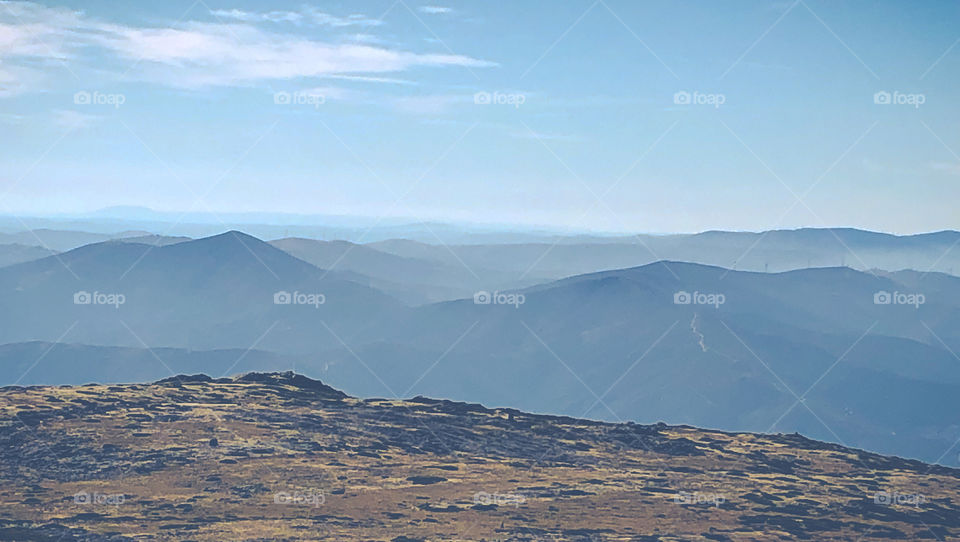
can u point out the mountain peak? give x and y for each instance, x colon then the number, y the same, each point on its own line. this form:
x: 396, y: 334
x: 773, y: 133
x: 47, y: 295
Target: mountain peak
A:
x: 232, y: 234
x: 278, y: 378
x: 228, y: 242
x: 290, y: 378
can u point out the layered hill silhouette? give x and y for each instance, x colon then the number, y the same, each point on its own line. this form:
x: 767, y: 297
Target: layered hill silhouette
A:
x: 14, y: 253
x: 33, y: 363
x: 414, y: 280
x: 280, y: 456
x: 419, y: 273
x: 209, y: 293
x: 62, y: 240
x: 776, y: 250
x: 807, y: 350
x: 865, y: 359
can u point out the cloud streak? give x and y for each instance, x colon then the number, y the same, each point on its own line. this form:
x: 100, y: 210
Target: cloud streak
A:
x: 307, y: 16
x: 202, y: 54
x: 435, y: 10
x: 198, y: 54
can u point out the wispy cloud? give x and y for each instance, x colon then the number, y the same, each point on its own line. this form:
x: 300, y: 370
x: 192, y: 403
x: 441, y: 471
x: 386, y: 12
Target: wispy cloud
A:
x: 373, y: 79
x: 435, y: 10
x: 11, y: 118
x: 195, y: 54
x: 73, y: 120
x: 433, y: 104
x: 362, y: 37
x: 952, y: 168
x: 543, y: 136
x: 18, y: 79
x: 308, y: 15
x: 28, y: 29
x: 254, y: 17
x: 202, y: 54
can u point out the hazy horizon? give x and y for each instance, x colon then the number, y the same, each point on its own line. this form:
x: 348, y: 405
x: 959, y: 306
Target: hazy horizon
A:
x: 135, y: 215
x: 602, y: 116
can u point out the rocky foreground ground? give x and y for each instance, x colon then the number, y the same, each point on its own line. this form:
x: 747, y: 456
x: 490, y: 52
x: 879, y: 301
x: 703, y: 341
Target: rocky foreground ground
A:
x: 282, y: 457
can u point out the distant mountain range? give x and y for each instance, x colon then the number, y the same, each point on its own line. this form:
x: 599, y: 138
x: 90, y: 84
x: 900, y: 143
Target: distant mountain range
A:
x: 33, y: 363
x: 779, y: 250
x: 412, y: 278
x: 614, y: 345
x: 862, y: 358
x: 14, y: 253
x: 61, y: 240
x: 274, y: 225
x: 217, y: 292
x: 491, y: 260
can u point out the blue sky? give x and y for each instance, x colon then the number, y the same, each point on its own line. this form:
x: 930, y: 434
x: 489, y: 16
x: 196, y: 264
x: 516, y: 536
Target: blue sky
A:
x: 588, y: 125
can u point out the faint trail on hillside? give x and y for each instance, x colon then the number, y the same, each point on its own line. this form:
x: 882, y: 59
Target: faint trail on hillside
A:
x: 700, y: 338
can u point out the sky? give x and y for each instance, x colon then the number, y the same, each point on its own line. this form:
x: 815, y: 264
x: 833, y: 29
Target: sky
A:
x: 597, y: 115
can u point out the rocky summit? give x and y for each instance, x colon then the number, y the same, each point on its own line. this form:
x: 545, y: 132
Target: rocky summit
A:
x: 278, y: 456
